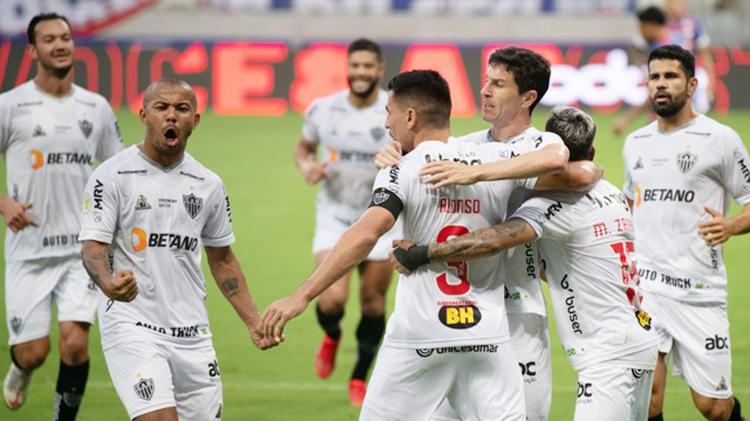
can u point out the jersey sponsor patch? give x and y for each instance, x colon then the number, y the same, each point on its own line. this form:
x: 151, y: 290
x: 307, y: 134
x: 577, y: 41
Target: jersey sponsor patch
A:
x: 459, y: 316
x: 644, y: 319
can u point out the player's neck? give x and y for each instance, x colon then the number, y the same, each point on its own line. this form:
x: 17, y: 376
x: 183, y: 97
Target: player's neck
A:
x: 165, y: 161
x: 685, y: 116
x: 53, y: 84
x: 363, y: 102
x: 511, y: 130
x: 428, y: 134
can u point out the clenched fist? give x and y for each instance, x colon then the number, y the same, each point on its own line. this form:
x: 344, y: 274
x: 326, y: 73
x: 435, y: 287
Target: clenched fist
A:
x: 122, y: 287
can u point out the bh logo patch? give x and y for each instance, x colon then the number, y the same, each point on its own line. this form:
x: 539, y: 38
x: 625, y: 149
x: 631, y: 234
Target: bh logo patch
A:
x: 459, y: 317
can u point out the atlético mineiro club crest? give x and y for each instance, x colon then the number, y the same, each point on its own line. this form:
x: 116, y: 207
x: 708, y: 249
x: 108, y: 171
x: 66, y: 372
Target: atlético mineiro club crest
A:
x: 144, y: 389
x: 86, y: 127
x: 380, y: 196
x: 686, y: 161
x: 193, y: 204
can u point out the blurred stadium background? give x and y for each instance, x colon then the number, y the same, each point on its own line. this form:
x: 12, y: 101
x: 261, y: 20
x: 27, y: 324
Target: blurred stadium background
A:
x: 256, y: 64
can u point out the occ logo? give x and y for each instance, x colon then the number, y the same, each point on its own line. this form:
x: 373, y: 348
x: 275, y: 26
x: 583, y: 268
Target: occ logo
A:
x: 585, y: 390
x: 459, y: 317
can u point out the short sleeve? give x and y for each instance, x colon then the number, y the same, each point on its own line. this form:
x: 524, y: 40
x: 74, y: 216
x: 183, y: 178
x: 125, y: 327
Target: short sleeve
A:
x: 628, y: 186
x: 546, y: 216
x: 390, y: 190
x: 110, y: 141
x: 100, y: 207
x: 310, y: 126
x: 217, y: 232
x: 735, y: 171
x: 4, y: 125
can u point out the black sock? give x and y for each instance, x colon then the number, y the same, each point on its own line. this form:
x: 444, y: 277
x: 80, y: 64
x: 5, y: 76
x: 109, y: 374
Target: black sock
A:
x: 736, y: 411
x: 369, y: 333
x: 330, y: 322
x: 659, y: 417
x: 71, y: 382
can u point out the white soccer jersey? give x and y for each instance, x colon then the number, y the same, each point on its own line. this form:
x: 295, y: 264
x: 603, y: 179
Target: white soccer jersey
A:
x: 455, y: 303
x: 523, y: 292
x: 671, y: 177
x: 156, y: 220
x: 50, y: 145
x: 350, y: 137
x: 587, y: 244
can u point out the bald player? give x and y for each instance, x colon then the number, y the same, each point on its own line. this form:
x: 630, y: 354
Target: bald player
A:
x: 146, y: 215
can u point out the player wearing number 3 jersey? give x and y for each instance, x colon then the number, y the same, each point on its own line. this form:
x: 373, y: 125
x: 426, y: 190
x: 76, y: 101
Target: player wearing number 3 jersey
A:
x: 586, y: 241
x: 448, y: 336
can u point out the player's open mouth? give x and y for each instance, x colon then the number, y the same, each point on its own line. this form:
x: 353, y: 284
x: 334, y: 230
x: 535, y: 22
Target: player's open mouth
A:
x: 170, y: 135
x: 662, y: 98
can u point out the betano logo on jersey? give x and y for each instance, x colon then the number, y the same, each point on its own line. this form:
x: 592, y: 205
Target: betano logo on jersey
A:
x: 140, y: 240
x: 59, y: 158
x: 663, y: 195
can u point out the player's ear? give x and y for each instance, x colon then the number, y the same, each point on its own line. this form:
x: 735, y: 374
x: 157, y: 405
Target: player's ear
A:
x: 196, y: 120
x: 592, y: 153
x: 528, y: 98
x: 33, y: 52
x: 411, y: 118
x: 692, y: 85
x: 142, y: 115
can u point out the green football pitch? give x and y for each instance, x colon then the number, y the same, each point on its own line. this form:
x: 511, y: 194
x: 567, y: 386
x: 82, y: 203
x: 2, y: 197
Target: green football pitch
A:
x: 273, y: 212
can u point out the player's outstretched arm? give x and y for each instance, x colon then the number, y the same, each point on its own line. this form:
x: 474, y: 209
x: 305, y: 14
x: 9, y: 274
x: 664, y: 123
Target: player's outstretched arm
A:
x: 580, y: 176
x: 470, y: 246
x: 719, y: 229
x: 351, y: 249
x: 121, y: 286
x: 309, y: 166
x: 231, y: 281
x: 15, y: 214
x: 551, y: 159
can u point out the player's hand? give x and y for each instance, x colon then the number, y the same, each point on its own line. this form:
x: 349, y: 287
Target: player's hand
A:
x: 314, y: 171
x: 122, y: 287
x: 716, y: 230
x: 259, y: 340
x: 15, y: 214
x: 388, y: 155
x: 408, y: 257
x: 448, y: 173
x: 279, y: 313
x: 403, y: 245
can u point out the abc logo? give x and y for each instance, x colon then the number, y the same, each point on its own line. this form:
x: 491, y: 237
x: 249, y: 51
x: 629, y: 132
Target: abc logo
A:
x: 717, y: 343
x: 584, y: 390
x: 528, y: 369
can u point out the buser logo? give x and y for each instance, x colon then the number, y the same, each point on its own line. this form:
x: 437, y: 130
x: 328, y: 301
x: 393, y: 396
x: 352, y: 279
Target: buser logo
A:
x: 459, y: 317
x: 140, y: 240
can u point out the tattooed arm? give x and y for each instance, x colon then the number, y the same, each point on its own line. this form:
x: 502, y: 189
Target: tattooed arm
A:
x: 120, y: 286
x: 231, y: 281
x: 406, y: 257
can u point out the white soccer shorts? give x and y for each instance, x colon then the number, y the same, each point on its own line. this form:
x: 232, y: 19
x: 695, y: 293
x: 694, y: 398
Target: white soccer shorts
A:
x: 32, y: 285
x: 150, y: 375
x: 480, y: 382
x: 530, y: 342
x: 696, y: 336
x: 329, y: 226
x: 613, y: 393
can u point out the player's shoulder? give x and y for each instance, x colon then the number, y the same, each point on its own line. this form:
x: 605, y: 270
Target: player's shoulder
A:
x: 18, y: 93
x: 124, y: 162
x: 642, y: 134
x: 478, y: 137
x: 92, y: 98
x: 326, y: 103
x: 199, y: 172
x: 706, y: 126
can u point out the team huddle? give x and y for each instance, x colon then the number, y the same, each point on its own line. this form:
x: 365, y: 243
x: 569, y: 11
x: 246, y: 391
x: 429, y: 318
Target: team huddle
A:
x: 473, y: 224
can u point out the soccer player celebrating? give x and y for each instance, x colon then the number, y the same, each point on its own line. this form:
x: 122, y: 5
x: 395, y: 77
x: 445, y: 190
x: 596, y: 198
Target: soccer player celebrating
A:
x: 587, y: 243
x: 349, y: 127
x: 517, y: 79
x: 681, y: 171
x: 51, y: 131
x: 146, y: 215
x: 448, y: 336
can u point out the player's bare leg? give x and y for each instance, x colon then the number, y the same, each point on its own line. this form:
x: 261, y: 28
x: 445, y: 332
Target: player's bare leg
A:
x: 330, y: 311
x: 74, y: 368
x: 375, y: 277
x: 656, y: 405
x: 717, y: 409
x: 165, y: 414
x: 25, y: 358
